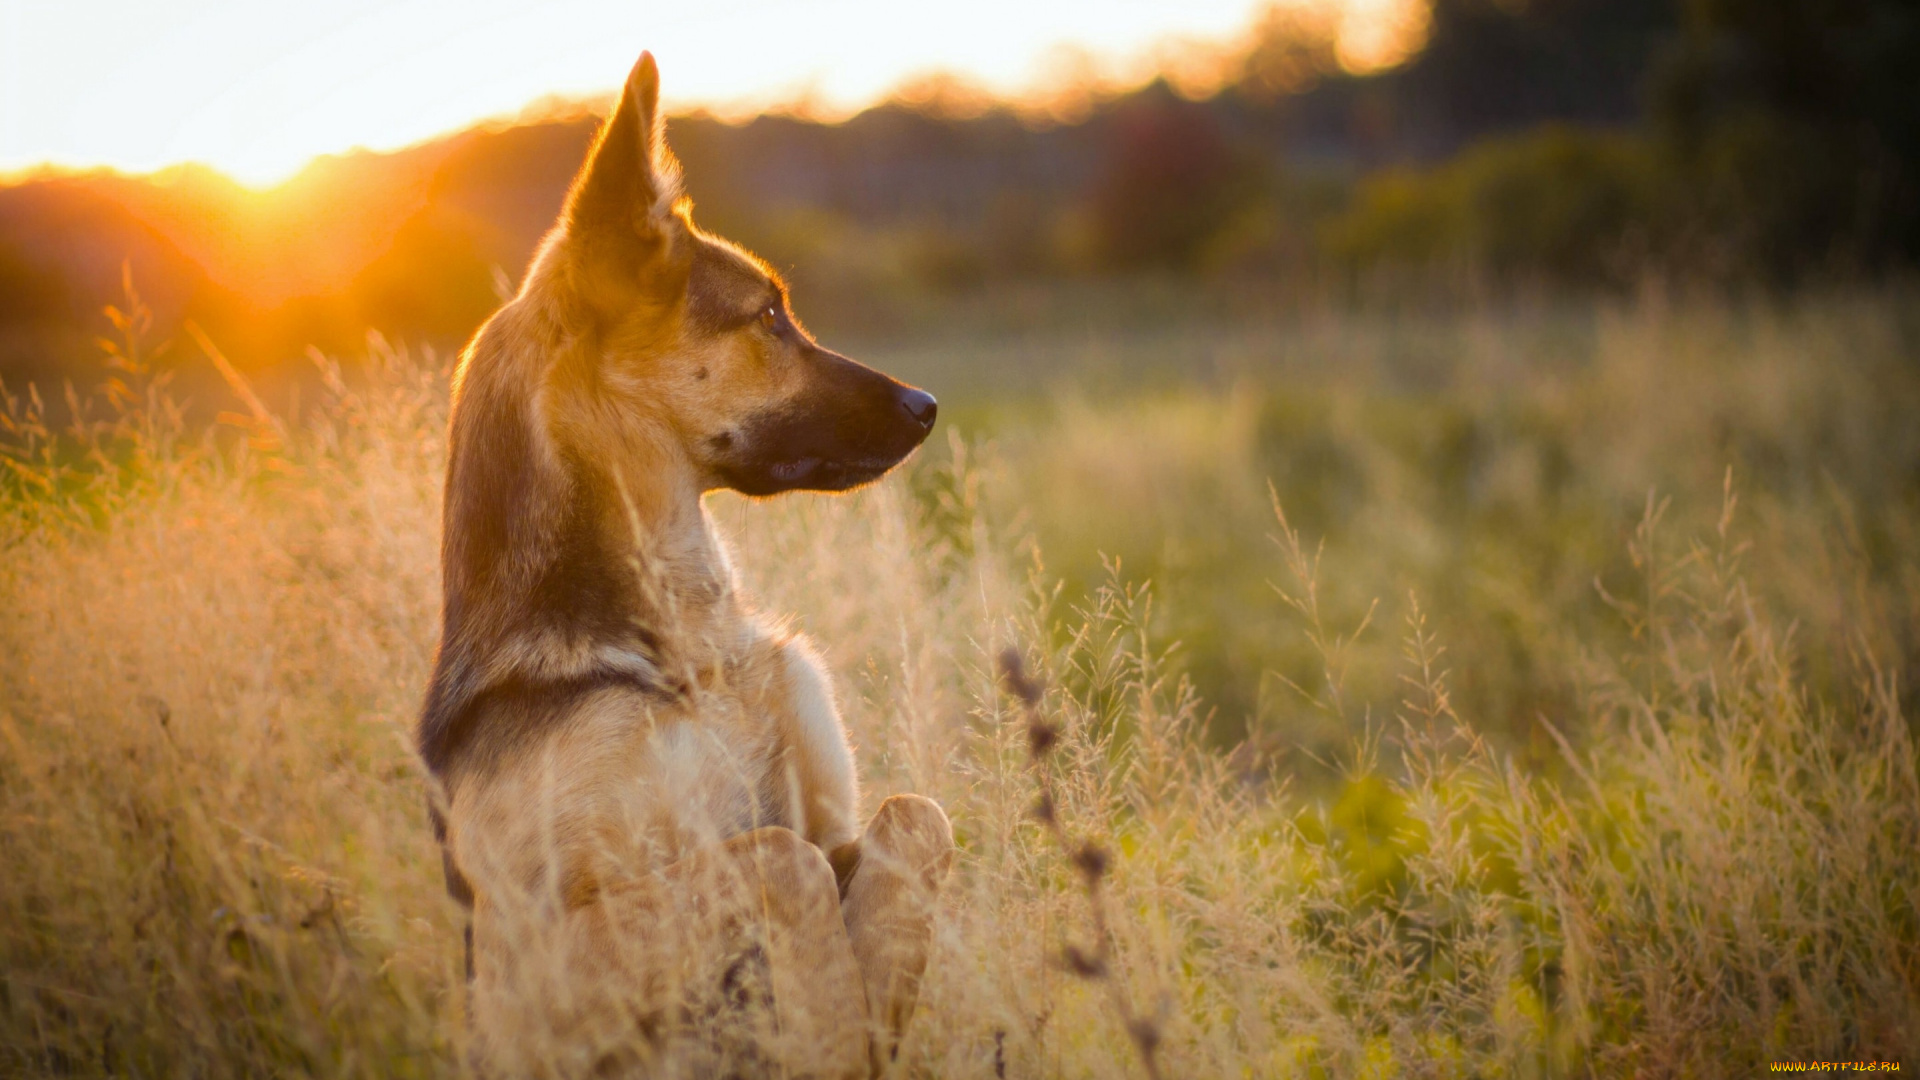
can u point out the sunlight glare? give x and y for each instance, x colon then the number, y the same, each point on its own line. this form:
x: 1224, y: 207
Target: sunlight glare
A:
x: 258, y: 89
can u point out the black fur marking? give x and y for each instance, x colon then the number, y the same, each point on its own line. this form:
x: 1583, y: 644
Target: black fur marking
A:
x: 457, y: 885
x: 848, y: 429
x: 504, y: 713
x: 492, y: 486
x: 579, y: 590
x: 524, y: 555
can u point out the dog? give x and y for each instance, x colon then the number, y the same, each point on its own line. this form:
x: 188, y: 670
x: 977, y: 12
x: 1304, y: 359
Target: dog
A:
x: 644, y: 793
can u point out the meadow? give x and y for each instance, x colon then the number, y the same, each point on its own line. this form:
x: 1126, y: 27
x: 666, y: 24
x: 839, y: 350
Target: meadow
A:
x: 1504, y: 689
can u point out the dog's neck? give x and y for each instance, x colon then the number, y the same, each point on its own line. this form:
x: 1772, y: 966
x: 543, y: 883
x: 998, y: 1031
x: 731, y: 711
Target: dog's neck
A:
x: 679, y: 582
x: 571, y: 551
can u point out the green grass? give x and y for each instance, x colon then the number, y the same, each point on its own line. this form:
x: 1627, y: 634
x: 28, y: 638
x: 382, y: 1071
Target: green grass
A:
x: 1563, y: 727
x: 1493, y: 463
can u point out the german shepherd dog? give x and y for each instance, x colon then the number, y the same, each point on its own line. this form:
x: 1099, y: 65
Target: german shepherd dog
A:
x: 645, y: 794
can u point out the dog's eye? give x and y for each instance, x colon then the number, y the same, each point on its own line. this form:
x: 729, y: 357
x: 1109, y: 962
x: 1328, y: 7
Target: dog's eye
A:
x: 770, y: 320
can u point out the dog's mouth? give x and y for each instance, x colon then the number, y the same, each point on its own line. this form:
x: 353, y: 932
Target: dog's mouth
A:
x: 823, y: 474
x: 826, y: 441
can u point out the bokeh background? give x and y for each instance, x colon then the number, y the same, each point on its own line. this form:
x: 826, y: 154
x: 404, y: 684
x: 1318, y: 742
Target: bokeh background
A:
x: 1505, y: 147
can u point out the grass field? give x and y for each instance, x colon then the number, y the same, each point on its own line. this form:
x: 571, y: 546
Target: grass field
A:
x: 1522, y: 691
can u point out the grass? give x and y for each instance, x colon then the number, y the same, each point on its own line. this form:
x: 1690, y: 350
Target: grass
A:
x: 1479, y: 761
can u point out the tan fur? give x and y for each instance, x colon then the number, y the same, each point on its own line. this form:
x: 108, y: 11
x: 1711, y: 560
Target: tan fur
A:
x: 642, y: 780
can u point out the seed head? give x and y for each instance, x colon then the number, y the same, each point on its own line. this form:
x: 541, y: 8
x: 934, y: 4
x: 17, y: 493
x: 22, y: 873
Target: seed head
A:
x: 1042, y: 737
x: 1013, y: 670
x: 1092, y: 861
x: 1146, y: 1035
x: 1083, y: 963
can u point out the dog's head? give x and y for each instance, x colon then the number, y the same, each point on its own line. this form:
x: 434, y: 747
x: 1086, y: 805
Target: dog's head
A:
x: 697, y: 334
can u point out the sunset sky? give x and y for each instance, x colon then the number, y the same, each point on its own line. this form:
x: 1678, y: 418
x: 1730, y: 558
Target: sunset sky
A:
x: 257, y: 88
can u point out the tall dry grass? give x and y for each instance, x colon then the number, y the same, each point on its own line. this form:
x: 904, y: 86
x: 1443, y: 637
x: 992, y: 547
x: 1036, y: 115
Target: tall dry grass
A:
x: 214, y: 857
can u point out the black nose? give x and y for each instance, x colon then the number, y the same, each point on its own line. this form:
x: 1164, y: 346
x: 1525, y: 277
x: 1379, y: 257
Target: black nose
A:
x: 920, y: 405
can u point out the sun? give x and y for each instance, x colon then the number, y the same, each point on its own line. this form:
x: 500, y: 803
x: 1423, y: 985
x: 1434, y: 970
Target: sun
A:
x: 258, y: 90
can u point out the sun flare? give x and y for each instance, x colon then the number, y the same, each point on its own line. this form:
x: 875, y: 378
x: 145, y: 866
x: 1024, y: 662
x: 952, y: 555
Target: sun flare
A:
x: 257, y: 91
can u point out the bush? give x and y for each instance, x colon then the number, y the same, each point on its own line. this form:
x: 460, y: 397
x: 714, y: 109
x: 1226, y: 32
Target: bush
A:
x: 1171, y: 180
x: 1568, y: 206
x: 1796, y: 127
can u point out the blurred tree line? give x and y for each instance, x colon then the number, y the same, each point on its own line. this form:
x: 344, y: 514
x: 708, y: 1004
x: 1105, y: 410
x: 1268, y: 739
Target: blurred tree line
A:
x: 1526, y: 143
x: 1558, y: 143
x: 1775, y: 139
x: 1796, y: 127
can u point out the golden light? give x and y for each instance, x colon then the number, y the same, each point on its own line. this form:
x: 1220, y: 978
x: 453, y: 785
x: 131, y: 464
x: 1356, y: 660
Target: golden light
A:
x: 257, y: 90
x: 1375, y: 35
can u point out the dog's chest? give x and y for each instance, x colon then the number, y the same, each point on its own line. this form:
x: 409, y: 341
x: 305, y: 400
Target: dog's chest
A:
x: 691, y: 776
x: 625, y: 785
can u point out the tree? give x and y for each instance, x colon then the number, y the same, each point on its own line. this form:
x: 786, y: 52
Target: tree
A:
x: 1798, y: 122
x: 1170, y: 182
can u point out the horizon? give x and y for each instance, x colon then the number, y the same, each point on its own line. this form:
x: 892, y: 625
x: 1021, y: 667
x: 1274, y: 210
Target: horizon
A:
x: 263, y: 95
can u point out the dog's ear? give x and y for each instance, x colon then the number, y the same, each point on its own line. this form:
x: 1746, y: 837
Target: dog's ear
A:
x: 625, y: 194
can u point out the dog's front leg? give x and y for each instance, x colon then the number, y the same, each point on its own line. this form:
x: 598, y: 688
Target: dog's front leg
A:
x: 888, y: 906
x: 889, y: 875
x: 822, y: 791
